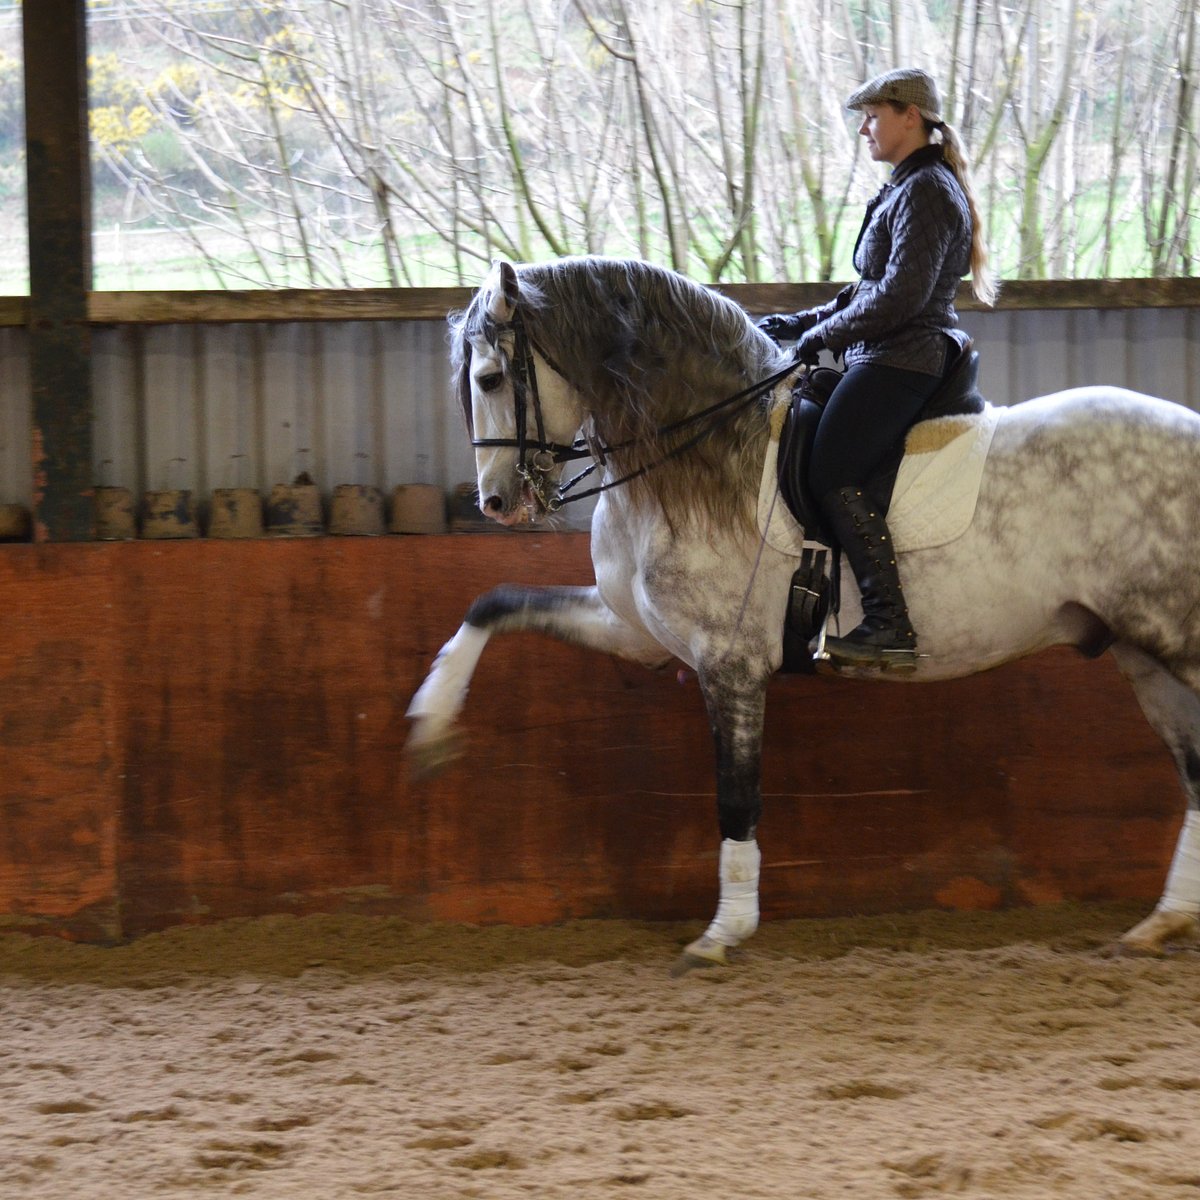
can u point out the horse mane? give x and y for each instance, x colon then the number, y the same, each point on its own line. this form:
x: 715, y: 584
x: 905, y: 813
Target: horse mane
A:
x: 645, y: 346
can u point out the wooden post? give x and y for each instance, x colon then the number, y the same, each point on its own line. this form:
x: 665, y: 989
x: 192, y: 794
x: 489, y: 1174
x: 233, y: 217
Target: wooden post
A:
x: 60, y: 268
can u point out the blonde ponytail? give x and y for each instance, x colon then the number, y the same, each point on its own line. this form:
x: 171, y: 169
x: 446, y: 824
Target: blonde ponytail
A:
x: 983, y: 282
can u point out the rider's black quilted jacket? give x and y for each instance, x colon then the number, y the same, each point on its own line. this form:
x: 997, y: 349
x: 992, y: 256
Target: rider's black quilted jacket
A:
x: 913, y: 248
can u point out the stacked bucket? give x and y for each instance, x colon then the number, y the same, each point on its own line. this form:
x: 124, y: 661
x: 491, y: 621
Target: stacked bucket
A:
x: 292, y: 510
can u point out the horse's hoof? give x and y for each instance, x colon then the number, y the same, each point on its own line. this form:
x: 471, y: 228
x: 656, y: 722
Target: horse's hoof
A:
x: 429, y: 756
x: 1124, y: 949
x: 701, y: 954
x: 1149, y: 938
x: 686, y: 963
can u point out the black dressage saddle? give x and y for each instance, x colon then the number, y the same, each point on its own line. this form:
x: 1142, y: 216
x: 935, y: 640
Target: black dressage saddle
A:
x: 957, y: 395
x: 812, y: 591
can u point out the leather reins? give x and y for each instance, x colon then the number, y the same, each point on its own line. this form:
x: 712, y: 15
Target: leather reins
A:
x: 535, y: 468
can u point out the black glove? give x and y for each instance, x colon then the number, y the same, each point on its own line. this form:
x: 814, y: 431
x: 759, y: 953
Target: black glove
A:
x: 809, y: 347
x: 783, y: 327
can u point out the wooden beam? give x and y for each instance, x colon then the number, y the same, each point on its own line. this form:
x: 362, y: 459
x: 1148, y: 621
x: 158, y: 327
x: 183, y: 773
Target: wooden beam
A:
x: 432, y: 304
x: 1014, y: 294
x: 60, y: 269
x: 293, y: 304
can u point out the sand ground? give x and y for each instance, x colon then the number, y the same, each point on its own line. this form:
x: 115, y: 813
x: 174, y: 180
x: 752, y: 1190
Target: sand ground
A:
x: 975, y: 1055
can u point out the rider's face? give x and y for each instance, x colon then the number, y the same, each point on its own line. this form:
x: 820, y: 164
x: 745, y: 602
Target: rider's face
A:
x: 892, y: 136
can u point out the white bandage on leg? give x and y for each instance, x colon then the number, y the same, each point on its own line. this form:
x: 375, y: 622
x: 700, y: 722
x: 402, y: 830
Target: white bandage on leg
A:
x: 737, y: 912
x: 445, y: 687
x: 1182, y: 893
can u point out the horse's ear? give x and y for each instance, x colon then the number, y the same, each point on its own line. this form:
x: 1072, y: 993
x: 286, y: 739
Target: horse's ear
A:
x: 502, y: 290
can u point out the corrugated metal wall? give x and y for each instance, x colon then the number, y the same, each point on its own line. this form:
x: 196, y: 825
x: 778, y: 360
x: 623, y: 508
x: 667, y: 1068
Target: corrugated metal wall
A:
x: 1026, y: 353
x: 207, y: 406
x: 252, y: 405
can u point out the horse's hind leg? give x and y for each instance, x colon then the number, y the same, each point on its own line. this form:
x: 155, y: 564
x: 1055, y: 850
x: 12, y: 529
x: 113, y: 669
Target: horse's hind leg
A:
x: 571, y: 614
x: 1173, y: 708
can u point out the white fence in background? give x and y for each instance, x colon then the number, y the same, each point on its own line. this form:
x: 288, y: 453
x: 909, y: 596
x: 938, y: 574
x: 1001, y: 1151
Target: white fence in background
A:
x: 368, y: 402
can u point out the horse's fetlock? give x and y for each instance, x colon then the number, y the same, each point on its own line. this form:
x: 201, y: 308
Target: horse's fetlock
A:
x: 737, y: 911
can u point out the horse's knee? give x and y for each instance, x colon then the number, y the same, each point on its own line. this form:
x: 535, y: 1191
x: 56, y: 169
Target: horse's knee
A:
x: 493, y: 606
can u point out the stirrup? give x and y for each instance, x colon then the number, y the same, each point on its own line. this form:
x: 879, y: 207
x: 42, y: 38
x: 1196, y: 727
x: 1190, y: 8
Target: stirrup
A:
x: 827, y: 661
x: 870, y: 658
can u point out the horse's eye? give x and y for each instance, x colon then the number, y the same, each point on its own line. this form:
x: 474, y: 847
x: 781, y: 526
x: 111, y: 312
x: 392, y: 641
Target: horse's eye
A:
x: 489, y: 383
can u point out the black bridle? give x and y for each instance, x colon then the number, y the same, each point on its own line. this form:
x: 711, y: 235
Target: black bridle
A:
x: 536, y: 467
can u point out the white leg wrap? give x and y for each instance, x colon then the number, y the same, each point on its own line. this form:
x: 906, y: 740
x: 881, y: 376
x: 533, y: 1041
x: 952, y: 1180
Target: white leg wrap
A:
x: 737, y: 912
x: 445, y: 688
x: 1182, y: 893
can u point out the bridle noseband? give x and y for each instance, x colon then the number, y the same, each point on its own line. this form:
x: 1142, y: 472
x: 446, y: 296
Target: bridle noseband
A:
x: 535, y: 468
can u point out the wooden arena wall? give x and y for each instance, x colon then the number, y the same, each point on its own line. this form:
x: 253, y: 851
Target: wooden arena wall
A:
x: 205, y: 729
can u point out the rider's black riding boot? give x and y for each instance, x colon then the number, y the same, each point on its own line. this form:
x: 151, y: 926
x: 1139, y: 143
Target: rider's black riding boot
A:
x: 886, y: 636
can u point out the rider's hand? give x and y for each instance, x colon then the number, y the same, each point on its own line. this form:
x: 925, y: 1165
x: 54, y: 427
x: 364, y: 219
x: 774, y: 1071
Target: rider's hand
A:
x: 783, y: 327
x: 809, y: 347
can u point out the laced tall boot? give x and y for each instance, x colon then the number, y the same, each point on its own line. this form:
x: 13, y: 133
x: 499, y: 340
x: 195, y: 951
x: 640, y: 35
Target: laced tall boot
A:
x: 885, y: 638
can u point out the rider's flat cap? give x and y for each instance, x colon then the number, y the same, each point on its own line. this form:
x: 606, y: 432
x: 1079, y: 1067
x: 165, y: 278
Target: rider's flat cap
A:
x: 905, y: 85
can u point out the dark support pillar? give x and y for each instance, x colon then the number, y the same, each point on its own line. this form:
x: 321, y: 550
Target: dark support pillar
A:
x: 60, y: 268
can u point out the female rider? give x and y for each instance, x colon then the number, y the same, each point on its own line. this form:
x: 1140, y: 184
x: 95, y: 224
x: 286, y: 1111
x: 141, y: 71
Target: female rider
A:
x: 897, y: 330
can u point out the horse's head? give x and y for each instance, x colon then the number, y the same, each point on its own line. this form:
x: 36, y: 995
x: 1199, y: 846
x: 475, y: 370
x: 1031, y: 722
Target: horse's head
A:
x: 521, y: 413
x: 633, y: 353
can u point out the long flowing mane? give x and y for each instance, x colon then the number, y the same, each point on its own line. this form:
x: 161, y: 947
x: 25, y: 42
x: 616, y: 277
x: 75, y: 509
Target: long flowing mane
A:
x: 645, y: 346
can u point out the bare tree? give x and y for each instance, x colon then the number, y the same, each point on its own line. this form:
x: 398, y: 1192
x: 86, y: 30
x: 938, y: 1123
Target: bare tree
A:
x: 1170, y: 212
x: 408, y: 141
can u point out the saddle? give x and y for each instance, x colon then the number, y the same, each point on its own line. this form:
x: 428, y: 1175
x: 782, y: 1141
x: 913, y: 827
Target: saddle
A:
x: 812, y: 591
x: 957, y: 395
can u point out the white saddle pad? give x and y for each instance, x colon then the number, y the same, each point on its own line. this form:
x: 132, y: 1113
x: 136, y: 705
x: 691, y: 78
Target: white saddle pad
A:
x: 937, y: 485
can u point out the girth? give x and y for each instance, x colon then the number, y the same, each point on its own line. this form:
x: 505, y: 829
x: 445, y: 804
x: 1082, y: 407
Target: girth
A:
x: 958, y: 394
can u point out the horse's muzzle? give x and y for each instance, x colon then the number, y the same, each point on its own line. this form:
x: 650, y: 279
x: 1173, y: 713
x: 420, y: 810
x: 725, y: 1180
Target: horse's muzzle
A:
x: 520, y: 514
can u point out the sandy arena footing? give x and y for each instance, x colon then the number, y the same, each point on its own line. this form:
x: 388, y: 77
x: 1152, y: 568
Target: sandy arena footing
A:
x: 979, y: 1055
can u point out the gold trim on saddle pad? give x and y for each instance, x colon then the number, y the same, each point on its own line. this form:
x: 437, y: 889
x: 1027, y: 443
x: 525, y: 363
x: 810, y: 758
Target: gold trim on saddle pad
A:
x: 925, y: 437
x: 781, y: 407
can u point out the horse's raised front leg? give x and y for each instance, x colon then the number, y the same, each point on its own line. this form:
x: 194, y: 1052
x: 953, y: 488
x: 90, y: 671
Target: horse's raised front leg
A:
x: 571, y: 614
x: 1173, y: 709
x: 736, y: 700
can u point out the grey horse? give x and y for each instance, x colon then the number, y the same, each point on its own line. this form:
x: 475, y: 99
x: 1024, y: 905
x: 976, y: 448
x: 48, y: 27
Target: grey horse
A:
x: 1086, y: 532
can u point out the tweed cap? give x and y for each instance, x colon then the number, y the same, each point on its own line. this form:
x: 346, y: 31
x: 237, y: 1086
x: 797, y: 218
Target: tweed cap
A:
x: 905, y: 85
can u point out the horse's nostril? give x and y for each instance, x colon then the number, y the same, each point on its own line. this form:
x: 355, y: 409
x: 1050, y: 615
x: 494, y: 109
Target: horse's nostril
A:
x: 493, y: 504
